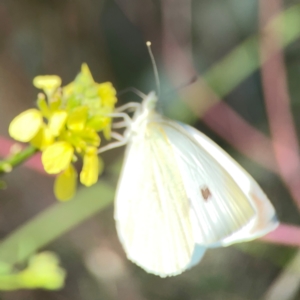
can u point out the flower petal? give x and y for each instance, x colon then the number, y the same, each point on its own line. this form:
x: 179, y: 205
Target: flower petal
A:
x: 88, y: 135
x: 98, y: 122
x: 85, y: 70
x: 90, y: 170
x: 107, y: 132
x: 57, y: 157
x: 57, y: 122
x: 65, y: 184
x: 107, y: 94
x: 43, y: 138
x: 26, y: 125
x: 43, y: 105
x: 47, y: 83
x: 77, y: 118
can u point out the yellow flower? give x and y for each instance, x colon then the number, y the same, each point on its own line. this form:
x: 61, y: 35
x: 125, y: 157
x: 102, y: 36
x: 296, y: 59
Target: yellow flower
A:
x: 57, y: 122
x: 107, y: 132
x: 107, y: 94
x: 65, y: 184
x: 26, y: 125
x: 77, y: 118
x: 90, y: 170
x: 98, y: 123
x: 43, y: 138
x: 85, y: 71
x: 47, y: 83
x: 43, y: 105
x: 57, y: 157
x: 89, y: 136
x: 66, y: 126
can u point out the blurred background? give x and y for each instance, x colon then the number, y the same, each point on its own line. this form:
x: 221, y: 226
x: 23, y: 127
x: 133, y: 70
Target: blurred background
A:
x: 223, y: 69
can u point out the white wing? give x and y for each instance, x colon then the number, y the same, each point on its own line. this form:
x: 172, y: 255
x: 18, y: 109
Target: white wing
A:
x: 152, y: 209
x: 180, y: 193
x: 221, y: 205
x: 265, y: 219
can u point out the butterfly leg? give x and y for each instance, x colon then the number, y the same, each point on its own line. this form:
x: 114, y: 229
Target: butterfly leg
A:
x: 119, y: 112
x: 121, y: 140
x: 131, y: 106
x: 132, y: 90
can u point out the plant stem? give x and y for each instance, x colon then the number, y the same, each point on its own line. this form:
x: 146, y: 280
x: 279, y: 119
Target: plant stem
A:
x: 53, y: 222
x: 14, y: 160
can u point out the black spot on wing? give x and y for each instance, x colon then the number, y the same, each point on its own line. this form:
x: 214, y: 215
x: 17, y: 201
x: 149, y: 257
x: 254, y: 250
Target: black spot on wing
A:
x: 205, y: 192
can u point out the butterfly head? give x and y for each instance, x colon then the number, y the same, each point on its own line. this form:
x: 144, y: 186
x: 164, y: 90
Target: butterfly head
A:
x: 144, y: 112
x: 147, y: 106
x: 149, y: 102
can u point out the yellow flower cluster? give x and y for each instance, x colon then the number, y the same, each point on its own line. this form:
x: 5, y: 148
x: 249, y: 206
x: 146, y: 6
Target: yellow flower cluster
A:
x: 66, y: 126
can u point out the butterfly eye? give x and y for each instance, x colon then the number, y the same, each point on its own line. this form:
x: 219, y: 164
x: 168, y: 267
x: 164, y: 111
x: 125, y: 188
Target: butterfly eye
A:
x: 206, y: 194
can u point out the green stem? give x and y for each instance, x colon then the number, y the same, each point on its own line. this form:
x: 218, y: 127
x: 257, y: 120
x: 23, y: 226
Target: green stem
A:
x: 9, y: 163
x: 53, y: 222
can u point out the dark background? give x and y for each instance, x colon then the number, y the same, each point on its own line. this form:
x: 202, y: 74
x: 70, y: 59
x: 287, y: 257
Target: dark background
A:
x: 55, y: 37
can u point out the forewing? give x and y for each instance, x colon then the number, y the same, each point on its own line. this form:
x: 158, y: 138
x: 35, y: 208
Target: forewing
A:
x: 220, y: 206
x: 152, y: 210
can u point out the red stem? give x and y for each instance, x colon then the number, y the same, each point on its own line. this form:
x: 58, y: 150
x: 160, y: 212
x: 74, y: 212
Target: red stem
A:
x: 284, y: 137
x: 284, y: 234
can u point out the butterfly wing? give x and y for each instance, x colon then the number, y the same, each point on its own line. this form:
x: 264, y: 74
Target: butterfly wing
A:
x: 152, y: 210
x: 219, y: 203
x: 265, y: 219
x: 179, y: 193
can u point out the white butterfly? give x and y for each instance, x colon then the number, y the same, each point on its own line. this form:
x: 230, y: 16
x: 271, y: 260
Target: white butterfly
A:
x: 179, y: 193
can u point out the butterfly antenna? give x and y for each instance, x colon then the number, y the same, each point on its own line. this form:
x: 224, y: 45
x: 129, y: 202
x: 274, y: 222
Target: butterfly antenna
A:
x: 154, y: 67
